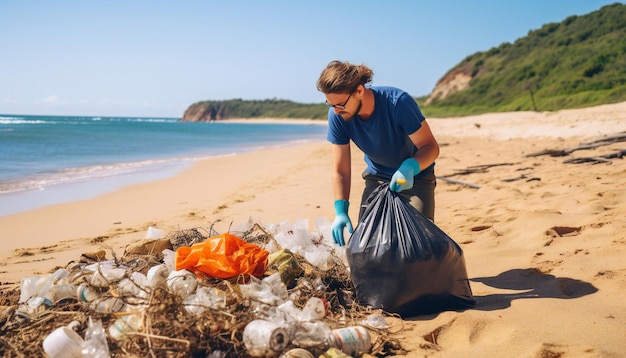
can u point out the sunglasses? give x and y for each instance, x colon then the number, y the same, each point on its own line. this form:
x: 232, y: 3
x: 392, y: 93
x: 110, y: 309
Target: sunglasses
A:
x: 341, y: 106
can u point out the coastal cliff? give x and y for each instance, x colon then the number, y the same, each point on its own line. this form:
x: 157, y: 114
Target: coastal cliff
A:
x: 454, y: 81
x: 203, y: 112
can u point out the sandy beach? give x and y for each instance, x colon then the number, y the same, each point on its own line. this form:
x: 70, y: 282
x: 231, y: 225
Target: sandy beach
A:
x: 544, y: 239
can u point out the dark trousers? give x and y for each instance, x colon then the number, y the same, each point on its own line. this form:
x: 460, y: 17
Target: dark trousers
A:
x: 421, y: 196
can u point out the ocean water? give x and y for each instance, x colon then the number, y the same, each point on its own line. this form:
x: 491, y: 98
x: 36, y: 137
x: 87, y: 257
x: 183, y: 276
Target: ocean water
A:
x: 48, y: 160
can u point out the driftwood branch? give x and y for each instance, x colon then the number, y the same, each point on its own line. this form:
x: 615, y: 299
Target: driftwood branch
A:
x: 551, y: 152
x: 521, y: 177
x: 478, y: 169
x: 597, y: 159
x: 616, y: 138
x: 620, y: 137
x: 460, y: 182
x: 483, y: 168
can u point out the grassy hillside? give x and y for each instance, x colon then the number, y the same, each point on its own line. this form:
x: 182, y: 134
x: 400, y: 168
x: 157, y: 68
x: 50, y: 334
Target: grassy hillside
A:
x: 578, y: 62
x: 268, y: 108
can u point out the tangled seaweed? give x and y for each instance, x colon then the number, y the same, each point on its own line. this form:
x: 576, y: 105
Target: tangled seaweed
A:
x: 168, y: 328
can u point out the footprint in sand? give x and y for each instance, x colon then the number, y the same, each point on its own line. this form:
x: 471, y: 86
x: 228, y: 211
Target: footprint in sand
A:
x: 553, y: 350
x: 476, y: 330
x: 545, y: 266
x: 562, y: 231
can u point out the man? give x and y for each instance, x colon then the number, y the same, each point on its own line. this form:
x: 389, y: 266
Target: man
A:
x: 388, y: 126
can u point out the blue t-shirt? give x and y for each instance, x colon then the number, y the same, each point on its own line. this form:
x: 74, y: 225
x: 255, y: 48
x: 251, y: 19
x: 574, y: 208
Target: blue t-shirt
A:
x: 384, y: 137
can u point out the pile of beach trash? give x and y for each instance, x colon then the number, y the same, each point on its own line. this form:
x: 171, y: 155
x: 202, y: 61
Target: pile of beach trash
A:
x: 277, y: 290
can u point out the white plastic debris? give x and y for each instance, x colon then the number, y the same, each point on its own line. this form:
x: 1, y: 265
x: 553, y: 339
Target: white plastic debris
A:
x: 154, y: 233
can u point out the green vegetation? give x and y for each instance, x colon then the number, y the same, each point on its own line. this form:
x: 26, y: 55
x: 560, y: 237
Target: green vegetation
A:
x: 269, y: 108
x: 577, y: 63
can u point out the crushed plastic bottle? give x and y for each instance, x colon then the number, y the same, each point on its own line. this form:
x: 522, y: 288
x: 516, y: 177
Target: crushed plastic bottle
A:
x: 310, y: 334
x: 204, y: 298
x: 157, y: 275
x: 297, y: 238
x: 314, y: 309
x: 95, y: 345
x: 60, y: 292
x: 269, y: 291
x: 136, y: 285
x: 108, y: 305
x: 36, y: 292
x: 45, y: 283
x: 375, y: 320
x: 105, y: 273
x: 182, y: 283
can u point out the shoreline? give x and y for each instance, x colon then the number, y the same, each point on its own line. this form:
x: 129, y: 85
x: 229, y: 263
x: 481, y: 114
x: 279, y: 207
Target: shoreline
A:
x: 30, y: 199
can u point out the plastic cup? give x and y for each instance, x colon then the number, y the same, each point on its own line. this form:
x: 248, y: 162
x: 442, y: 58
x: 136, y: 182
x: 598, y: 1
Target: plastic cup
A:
x: 63, y: 342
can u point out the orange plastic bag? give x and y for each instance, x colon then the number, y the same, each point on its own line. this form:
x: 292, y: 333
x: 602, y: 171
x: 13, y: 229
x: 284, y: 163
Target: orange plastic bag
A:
x: 223, y: 256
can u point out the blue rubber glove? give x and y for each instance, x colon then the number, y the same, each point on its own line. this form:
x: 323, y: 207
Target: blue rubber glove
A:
x: 342, y: 220
x: 402, y: 179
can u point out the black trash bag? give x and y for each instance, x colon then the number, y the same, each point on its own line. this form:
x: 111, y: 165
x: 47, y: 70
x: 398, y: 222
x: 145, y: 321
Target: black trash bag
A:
x: 402, y: 262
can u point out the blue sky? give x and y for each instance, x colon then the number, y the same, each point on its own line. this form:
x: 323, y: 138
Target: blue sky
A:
x: 155, y: 58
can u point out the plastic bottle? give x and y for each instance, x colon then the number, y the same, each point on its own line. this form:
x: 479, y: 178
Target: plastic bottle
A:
x: 95, y: 345
x: 264, y: 338
x: 353, y: 340
x: 36, y: 294
x: 124, y: 325
x: 203, y: 298
x: 60, y: 292
x: 314, y: 309
x: 86, y: 293
x: 157, y: 275
x: 309, y: 334
x: 45, y: 283
x: 108, y: 305
x: 182, y: 283
x: 105, y: 273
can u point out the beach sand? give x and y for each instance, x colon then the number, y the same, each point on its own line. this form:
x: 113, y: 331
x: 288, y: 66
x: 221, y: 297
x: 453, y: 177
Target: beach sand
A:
x: 544, y: 240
